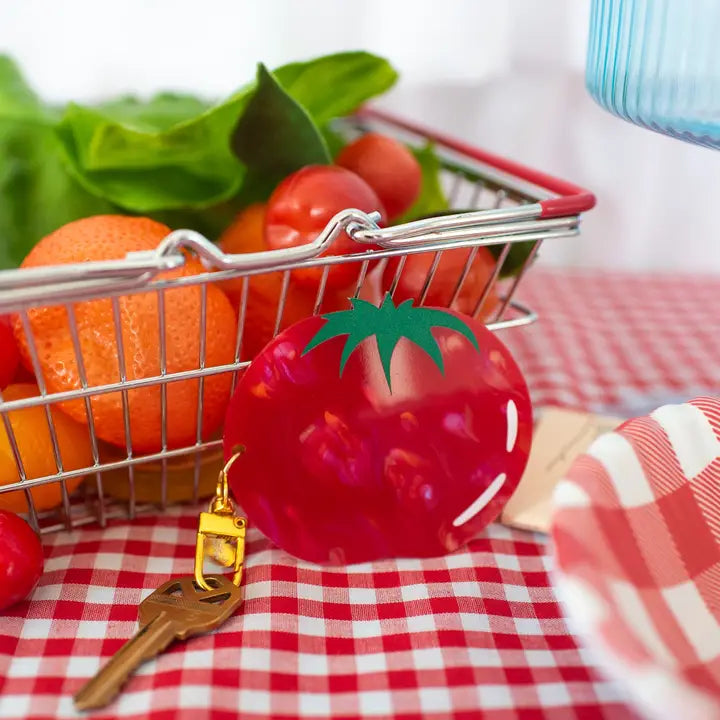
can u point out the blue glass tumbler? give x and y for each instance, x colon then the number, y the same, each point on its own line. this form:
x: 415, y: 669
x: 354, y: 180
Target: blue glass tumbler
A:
x: 656, y: 63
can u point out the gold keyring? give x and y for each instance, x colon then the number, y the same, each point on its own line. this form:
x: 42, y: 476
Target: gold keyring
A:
x: 221, y: 503
x: 220, y: 522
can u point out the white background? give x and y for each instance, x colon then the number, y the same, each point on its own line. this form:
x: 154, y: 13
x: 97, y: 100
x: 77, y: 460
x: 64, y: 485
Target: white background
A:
x: 507, y: 75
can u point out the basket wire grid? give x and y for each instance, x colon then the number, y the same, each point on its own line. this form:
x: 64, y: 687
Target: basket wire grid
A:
x: 505, y: 209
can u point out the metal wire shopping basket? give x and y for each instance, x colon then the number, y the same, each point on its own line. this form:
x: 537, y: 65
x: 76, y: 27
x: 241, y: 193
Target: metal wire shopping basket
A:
x: 503, y: 203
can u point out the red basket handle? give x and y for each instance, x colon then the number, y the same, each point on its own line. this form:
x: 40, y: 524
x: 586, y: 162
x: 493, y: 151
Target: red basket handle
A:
x: 573, y: 199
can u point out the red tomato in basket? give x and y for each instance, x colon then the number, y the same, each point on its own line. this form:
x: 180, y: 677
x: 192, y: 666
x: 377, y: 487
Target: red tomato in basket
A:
x: 303, y: 204
x: 245, y: 234
x: 21, y: 559
x: 9, y: 355
x: 388, y: 167
x: 364, y: 444
x: 444, y: 281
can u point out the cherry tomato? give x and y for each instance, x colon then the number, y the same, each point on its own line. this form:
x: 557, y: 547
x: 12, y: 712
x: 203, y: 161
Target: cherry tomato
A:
x: 21, y: 559
x: 363, y: 444
x: 9, y: 355
x: 442, y: 287
x: 301, y: 206
x: 245, y: 234
x: 388, y: 167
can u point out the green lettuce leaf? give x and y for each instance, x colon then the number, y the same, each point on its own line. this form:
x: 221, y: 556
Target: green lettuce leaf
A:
x: 275, y: 136
x: 17, y: 100
x: 173, y: 153
x: 37, y: 194
x: 431, y: 200
x: 336, y: 85
x: 515, y: 258
x: 159, y: 114
x: 148, y: 162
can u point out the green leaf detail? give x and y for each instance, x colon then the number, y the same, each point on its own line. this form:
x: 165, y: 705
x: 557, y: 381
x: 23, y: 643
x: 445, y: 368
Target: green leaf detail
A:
x: 160, y: 155
x: 275, y: 136
x: 431, y: 200
x: 335, y: 85
x: 388, y: 323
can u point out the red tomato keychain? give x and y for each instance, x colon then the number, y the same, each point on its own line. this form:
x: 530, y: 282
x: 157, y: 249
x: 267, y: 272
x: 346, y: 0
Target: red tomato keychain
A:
x: 378, y: 432
x: 21, y: 559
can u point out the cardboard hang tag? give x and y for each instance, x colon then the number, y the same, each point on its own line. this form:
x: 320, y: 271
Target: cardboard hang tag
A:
x: 559, y: 437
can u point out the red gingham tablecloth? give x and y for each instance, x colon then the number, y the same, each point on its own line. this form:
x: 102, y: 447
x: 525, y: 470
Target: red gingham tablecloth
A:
x: 476, y: 634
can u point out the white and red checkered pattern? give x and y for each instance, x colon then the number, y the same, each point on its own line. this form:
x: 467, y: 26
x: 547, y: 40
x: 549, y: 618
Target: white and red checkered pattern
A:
x: 637, y: 544
x: 619, y: 341
x: 476, y: 634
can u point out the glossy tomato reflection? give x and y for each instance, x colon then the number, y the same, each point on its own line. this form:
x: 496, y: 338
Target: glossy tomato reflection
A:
x: 346, y: 468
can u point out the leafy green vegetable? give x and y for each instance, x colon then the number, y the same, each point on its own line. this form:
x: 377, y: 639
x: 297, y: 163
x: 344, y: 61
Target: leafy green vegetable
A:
x: 431, y: 200
x: 333, y: 139
x: 275, y: 136
x: 37, y: 194
x: 515, y: 258
x: 185, y: 164
x: 17, y: 100
x: 336, y: 85
x: 174, y: 152
x: 157, y: 115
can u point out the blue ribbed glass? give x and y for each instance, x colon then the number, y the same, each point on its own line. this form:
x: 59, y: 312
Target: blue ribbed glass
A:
x: 656, y: 63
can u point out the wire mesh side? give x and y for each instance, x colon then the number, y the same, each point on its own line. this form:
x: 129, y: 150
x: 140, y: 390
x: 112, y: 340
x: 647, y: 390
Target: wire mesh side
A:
x: 162, y: 344
x: 202, y: 342
x: 20, y: 467
x: 124, y: 398
x: 40, y: 380
x: 82, y: 374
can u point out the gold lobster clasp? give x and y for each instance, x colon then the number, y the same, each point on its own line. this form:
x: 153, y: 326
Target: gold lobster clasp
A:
x: 220, y: 526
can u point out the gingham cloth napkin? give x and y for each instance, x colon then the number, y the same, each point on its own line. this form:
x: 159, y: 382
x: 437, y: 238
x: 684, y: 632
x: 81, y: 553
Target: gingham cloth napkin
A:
x: 637, y: 539
x: 476, y: 634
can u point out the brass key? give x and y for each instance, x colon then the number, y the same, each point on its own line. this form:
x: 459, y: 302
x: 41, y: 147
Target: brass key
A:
x: 176, y: 610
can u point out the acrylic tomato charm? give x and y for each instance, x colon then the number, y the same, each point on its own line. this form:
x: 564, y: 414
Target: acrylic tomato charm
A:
x: 303, y: 204
x: 21, y: 559
x: 378, y: 432
x: 388, y: 167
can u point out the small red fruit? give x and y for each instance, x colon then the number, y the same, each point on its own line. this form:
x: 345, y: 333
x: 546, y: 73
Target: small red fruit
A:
x: 303, y: 204
x: 9, y: 355
x: 21, y: 559
x: 388, y: 167
x: 447, y: 274
x: 378, y: 432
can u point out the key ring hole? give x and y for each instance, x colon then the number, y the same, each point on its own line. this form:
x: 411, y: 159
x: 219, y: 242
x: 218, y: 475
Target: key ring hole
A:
x: 213, y: 582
